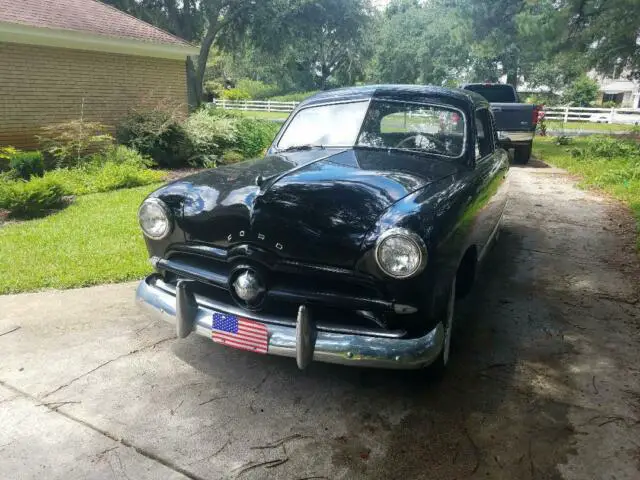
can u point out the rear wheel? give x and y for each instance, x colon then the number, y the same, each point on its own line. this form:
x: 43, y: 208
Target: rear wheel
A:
x: 522, y: 153
x: 439, y: 366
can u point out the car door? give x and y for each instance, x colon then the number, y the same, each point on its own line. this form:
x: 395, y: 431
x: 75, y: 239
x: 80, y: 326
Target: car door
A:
x: 491, y: 167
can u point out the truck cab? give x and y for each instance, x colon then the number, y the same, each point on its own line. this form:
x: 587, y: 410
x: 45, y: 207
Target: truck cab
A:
x: 515, y: 121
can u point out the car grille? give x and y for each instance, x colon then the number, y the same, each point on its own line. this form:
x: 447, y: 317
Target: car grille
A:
x: 340, y: 297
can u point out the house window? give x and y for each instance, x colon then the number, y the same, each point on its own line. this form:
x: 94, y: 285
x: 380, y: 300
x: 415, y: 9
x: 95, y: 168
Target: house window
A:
x: 613, y: 97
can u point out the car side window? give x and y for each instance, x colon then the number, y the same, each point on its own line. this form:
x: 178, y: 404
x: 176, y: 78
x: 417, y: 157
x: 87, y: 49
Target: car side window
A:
x: 484, y: 133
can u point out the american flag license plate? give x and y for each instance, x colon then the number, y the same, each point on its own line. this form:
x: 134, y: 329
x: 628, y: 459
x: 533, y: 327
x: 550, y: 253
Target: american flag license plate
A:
x: 239, y: 332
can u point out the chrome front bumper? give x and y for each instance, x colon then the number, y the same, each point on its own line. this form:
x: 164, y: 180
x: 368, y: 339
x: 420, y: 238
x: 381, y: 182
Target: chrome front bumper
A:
x: 517, y: 137
x: 192, y: 313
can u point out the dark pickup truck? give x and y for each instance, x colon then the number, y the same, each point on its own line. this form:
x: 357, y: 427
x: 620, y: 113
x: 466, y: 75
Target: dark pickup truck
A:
x: 515, y: 122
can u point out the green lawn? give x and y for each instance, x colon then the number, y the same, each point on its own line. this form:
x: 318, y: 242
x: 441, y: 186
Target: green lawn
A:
x: 95, y: 240
x: 263, y: 115
x: 618, y: 176
x: 603, y: 127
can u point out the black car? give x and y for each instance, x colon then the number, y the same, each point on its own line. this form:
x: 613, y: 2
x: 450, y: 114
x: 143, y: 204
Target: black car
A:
x: 349, y: 242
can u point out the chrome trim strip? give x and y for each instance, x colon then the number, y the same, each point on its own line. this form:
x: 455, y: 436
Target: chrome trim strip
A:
x: 346, y: 349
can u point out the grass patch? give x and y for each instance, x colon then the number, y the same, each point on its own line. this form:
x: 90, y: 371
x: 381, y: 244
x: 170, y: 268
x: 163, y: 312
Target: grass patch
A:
x: 617, y: 175
x: 95, y: 240
x: 280, y: 116
x: 600, y: 127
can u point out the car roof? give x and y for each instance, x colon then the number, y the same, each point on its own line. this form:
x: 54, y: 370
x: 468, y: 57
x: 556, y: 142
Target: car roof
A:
x: 464, y: 99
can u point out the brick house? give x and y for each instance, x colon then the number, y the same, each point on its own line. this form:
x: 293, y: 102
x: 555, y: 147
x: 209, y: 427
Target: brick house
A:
x: 66, y: 58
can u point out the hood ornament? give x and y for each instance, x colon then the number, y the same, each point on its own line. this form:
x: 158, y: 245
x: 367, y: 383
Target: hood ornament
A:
x: 247, y: 287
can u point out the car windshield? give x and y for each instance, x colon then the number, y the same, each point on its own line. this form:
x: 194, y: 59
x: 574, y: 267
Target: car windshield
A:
x: 434, y: 129
x: 334, y: 125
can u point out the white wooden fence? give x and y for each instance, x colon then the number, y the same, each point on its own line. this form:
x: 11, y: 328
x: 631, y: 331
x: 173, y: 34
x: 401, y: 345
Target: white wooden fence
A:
x: 629, y: 116
x: 255, y: 105
x: 565, y: 114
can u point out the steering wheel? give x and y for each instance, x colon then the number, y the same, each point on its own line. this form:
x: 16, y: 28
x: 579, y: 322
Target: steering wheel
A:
x: 440, y: 146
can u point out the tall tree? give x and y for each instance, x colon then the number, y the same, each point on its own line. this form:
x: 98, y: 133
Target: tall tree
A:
x: 608, y: 32
x: 330, y: 37
x: 420, y: 43
x: 181, y: 17
x: 494, y: 29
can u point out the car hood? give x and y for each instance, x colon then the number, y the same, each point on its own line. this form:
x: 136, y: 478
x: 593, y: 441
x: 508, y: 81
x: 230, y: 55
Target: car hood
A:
x: 314, y: 206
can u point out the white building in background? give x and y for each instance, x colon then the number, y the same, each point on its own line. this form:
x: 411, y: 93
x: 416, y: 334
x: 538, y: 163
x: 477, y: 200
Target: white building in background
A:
x: 625, y: 93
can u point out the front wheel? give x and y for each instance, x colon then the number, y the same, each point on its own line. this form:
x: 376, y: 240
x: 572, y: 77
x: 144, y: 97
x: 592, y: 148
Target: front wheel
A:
x: 439, y: 366
x: 522, y: 153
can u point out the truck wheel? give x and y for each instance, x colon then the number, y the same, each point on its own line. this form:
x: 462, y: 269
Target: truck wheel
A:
x: 437, y: 369
x: 522, y: 154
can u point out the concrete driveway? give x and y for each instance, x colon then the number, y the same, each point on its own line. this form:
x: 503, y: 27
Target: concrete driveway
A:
x: 545, y: 381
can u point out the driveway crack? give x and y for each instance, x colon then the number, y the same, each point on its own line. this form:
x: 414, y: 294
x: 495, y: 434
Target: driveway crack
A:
x: 121, y: 441
x: 103, y: 364
x: 11, y: 330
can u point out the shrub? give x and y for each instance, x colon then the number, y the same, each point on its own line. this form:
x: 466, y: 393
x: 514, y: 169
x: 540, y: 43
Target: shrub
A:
x: 235, y: 94
x: 232, y: 156
x: 113, y: 176
x: 582, y: 92
x: 256, y: 89
x: 254, y: 136
x: 27, y: 164
x: 103, y: 177
x: 214, y: 88
x: 223, y: 113
x: 158, y: 134
x: 119, y: 154
x: 33, y: 198
x: 601, y: 146
x: 71, y: 142
x: 209, y: 134
x: 5, y: 156
x: 293, y: 97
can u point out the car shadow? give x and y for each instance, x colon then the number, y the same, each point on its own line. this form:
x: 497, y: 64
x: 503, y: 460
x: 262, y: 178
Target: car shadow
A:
x: 532, y: 163
x: 482, y: 418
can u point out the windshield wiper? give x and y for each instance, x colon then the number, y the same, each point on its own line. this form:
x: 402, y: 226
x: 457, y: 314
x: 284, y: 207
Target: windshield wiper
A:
x: 297, y: 148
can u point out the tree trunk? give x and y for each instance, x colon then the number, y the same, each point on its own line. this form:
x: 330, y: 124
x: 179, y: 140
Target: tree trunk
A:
x: 203, y: 56
x: 512, y: 77
x: 192, y: 83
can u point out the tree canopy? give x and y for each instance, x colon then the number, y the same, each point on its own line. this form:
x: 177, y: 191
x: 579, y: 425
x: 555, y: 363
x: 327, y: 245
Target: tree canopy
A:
x: 317, y: 44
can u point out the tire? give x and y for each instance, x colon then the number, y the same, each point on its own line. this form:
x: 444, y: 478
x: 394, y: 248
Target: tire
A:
x: 522, y: 154
x: 438, y: 368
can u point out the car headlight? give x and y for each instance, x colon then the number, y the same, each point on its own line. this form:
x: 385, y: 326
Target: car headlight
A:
x: 400, y: 253
x: 155, y: 219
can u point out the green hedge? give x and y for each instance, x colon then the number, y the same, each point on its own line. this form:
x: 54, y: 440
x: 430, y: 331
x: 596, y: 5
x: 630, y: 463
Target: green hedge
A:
x: 118, y: 167
x: 27, y: 164
x: 33, y: 198
x: 200, y: 141
x: 254, y: 136
x: 257, y: 90
x: 97, y: 178
x: 158, y: 134
x: 294, y: 97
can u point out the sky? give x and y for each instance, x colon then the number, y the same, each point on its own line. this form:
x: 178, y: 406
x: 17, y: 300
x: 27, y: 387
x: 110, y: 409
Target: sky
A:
x: 380, y: 3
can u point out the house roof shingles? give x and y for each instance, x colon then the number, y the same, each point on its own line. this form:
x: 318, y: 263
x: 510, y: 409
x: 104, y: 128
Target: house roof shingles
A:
x: 88, y: 16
